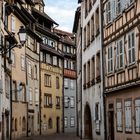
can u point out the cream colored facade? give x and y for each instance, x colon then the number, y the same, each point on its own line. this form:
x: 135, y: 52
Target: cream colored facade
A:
x: 19, y: 100
x: 52, y: 110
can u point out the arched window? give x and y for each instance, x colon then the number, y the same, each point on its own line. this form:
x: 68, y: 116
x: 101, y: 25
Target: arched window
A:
x: 23, y: 124
x: 16, y: 124
x: 50, y: 124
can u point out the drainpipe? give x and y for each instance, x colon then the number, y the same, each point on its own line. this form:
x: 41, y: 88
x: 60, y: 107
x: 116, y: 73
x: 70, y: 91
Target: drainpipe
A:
x: 40, y: 93
x: 77, y: 115
x: 63, y: 105
x: 81, y: 82
x: 26, y: 92
x: 103, y: 72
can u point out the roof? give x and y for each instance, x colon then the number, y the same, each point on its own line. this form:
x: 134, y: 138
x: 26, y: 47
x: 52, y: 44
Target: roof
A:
x: 79, y: 1
x: 76, y: 19
x: 50, y: 50
x: 39, y: 1
x: 46, y: 31
x: 65, y: 37
x: 44, y: 15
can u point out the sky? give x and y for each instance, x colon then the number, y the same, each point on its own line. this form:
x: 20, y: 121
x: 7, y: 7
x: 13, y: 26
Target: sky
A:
x: 62, y: 11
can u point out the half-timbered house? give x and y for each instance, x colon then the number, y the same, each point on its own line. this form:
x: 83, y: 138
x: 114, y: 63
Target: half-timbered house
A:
x: 121, y: 44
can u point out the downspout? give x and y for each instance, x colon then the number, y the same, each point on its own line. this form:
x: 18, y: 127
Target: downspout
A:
x: 77, y: 93
x: 40, y: 92
x: 103, y: 72
x: 81, y: 81
x: 63, y: 94
x: 26, y: 90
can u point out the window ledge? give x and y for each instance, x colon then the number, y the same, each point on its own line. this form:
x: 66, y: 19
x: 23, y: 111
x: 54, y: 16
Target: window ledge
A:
x: 132, y: 5
x: 120, y: 70
x: 110, y: 74
x: 131, y: 66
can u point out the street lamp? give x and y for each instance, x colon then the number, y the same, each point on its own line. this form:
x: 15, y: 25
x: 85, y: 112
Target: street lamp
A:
x: 22, y: 35
x: 22, y: 38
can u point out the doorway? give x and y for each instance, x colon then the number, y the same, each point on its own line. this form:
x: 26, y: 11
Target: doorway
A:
x: 57, y: 125
x: 88, y: 123
x: 111, y: 125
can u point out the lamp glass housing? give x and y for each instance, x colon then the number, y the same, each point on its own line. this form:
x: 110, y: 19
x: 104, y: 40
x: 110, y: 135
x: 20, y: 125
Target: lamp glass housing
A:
x: 22, y: 35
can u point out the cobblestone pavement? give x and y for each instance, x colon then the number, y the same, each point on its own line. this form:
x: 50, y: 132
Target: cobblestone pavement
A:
x: 54, y: 137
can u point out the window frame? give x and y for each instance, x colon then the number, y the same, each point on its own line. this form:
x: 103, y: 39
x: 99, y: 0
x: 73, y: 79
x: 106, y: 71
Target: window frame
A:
x: 130, y: 48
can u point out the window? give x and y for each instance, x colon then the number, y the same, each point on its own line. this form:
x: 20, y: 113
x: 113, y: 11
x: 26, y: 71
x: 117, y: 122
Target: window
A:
x: 66, y: 101
x: 85, y: 74
x: 55, y: 60
x: 22, y: 62
x: 23, y: 124
x: 72, y: 102
x: 131, y: 48
x: 65, y: 63
x: 65, y: 83
x: 48, y: 58
x: 92, y: 27
x: 98, y: 66
x: 13, y: 58
x: 108, y: 12
x: 72, y: 84
x: 35, y: 72
x: 47, y: 80
x: 97, y: 112
x: 97, y: 21
x: 88, y: 33
x: 7, y: 85
x: 50, y: 124
x: 47, y: 100
x: 14, y: 91
x: 13, y: 22
x: 32, y: 43
x: 66, y: 122
x: 16, y: 125
x: 29, y: 69
x: 120, y: 54
x: 60, y: 63
x: 118, y: 7
x: 36, y: 96
x: 119, y: 116
x: 57, y: 83
x: 68, y: 49
x: 64, y: 48
x: 88, y: 69
x: 86, y: 8
x: 137, y: 115
x: 85, y: 38
x: 128, y: 116
x: 93, y: 68
x: 110, y: 59
x: 30, y: 96
x: 22, y: 92
x: 72, y: 121
x: 57, y: 101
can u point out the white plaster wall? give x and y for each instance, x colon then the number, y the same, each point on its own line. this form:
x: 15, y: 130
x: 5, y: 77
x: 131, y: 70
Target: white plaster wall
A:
x: 93, y: 94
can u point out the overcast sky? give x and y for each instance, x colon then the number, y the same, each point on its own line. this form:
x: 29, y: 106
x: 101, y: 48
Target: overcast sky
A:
x: 62, y: 11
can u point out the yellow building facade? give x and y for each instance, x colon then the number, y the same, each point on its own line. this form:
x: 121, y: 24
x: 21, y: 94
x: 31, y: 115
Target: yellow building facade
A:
x: 51, y: 97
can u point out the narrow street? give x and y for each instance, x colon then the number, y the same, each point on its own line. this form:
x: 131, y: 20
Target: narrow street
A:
x: 54, y: 137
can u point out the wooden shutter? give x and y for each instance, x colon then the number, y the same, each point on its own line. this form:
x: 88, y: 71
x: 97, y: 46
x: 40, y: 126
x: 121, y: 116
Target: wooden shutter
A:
x: 128, y: 116
x: 137, y: 115
x: 12, y: 24
x: 119, y: 116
